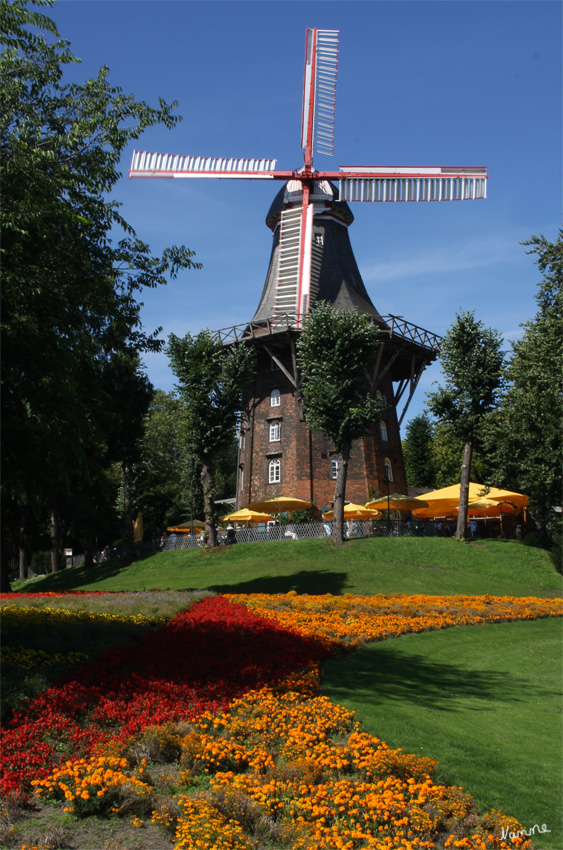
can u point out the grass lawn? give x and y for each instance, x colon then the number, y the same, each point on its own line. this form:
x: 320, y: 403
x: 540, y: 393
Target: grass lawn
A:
x: 370, y: 566
x: 484, y: 701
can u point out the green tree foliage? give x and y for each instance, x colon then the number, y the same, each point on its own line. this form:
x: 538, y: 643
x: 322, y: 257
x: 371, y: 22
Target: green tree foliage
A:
x: 417, y: 452
x: 70, y: 284
x: 525, y: 434
x: 447, y: 457
x: 334, y: 352
x: 211, y: 383
x: 473, y: 366
x: 162, y: 481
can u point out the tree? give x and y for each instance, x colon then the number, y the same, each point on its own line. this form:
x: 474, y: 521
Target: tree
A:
x: 70, y: 285
x: 162, y: 479
x: 524, y: 435
x: 472, y: 362
x: 417, y: 452
x: 211, y: 383
x: 334, y: 352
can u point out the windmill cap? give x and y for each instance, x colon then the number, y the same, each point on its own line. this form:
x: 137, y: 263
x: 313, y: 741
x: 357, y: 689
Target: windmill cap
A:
x: 291, y: 193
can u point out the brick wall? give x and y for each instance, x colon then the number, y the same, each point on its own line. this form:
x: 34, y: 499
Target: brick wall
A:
x: 305, y: 457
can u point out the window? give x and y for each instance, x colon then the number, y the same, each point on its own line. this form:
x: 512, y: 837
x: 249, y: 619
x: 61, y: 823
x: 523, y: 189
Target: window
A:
x: 334, y: 467
x: 388, y: 469
x: 382, y: 399
x: 274, y: 471
x: 275, y: 398
x: 383, y: 430
x: 275, y: 431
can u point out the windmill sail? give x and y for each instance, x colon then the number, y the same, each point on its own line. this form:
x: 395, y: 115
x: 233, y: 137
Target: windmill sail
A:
x: 358, y: 183
x: 147, y: 164
x: 319, y: 91
x: 294, y: 286
x: 287, y: 282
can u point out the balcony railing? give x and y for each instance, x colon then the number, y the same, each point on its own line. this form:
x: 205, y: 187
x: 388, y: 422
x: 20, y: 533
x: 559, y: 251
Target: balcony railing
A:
x: 396, y: 327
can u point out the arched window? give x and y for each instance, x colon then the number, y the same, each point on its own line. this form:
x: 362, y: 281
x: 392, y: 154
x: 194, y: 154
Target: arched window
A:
x: 383, y: 431
x: 382, y: 399
x: 275, y: 431
x: 275, y: 398
x: 388, y: 469
x: 274, y: 471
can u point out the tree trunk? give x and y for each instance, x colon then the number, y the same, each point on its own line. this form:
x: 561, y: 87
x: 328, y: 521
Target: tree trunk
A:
x: 206, y: 477
x: 54, y: 534
x: 88, y: 552
x: 128, y: 519
x: 340, y: 494
x: 5, y: 559
x: 22, y: 555
x: 461, y: 529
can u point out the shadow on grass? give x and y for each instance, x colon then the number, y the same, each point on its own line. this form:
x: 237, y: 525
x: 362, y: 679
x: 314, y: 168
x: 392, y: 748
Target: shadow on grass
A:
x: 76, y: 577
x: 311, y: 582
x: 378, y: 675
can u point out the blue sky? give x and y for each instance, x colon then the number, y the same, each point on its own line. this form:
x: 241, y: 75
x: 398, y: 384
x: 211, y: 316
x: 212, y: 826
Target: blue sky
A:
x: 455, y: 82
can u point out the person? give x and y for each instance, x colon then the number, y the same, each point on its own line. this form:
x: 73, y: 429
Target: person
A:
x: 473, y: 527
x: 231, y: 534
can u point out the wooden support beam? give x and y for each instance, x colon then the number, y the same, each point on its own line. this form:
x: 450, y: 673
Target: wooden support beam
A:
x: 290, y: 377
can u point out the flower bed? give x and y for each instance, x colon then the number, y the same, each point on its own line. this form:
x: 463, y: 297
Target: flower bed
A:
x: 351, y: 620
x: 200, y: 660
x: 260, y: 761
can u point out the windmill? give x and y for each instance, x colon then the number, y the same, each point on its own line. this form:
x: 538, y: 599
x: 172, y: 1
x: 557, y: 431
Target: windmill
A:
x: 388, y: 184
x: 312, y: 259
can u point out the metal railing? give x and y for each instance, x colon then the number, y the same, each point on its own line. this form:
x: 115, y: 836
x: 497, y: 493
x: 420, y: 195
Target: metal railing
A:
x: 293, y: 531
x: 396, y: 327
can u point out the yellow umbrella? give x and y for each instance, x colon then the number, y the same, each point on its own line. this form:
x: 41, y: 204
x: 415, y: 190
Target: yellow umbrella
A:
x: 488, y: 507
x: 138, y: 529
x: 443, y: 502
x: 517, y: 500
x: 247, y: 516
x: 280, y: 504
x: 397, y: 502
x: 352, y: 511
x: 186, y: 527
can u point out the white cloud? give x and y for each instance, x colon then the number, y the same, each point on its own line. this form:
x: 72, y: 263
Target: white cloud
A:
x: 453, y: 257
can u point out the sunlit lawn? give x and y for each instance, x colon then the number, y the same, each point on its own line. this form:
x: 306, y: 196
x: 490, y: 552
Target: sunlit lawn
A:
x: 369, y: 566
x: 484, y: 701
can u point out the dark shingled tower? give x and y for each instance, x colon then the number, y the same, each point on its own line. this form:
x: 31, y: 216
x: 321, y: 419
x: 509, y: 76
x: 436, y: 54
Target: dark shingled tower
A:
x: 278, y: 453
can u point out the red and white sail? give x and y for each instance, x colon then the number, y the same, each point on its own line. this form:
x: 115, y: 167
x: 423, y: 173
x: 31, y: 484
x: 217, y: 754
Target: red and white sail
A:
x: 386, y: 184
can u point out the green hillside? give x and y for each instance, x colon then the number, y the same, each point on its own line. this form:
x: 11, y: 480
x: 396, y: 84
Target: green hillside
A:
x: 367, y: 567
